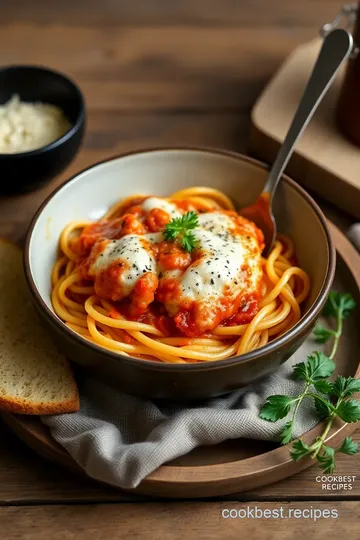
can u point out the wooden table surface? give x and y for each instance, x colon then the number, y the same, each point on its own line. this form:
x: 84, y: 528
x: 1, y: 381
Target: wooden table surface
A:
x: 156, y: 72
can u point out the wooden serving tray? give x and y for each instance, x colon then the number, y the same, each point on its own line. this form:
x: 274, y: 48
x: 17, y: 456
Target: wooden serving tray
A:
x: 325, y: 162
x: 238, y: 465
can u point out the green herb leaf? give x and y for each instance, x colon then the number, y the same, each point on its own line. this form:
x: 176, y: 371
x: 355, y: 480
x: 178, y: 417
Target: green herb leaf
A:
x: 188, y: 241
x: 276, y: 407
x: 349, y: 411
x: 339, y: 304
x: 318, y: 366
x: 327, y: 459
x: 348, y: 446
x: 323, y: 408
x: 325, y: 387
x: 300, y: 371
x: 286, y: 434
x: 345, y: 386
x: 299, y: 450
x: 322, y: 334
x: 187, y: 221
x: 313, y: 372
x: 181, y: 228
x: 331, y: 307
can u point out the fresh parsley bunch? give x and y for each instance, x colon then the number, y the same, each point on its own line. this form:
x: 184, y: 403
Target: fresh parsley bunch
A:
x: 180, y: 229
x: 332, y: 399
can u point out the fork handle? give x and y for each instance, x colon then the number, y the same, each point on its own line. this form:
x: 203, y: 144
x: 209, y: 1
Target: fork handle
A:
x: 336, y: 47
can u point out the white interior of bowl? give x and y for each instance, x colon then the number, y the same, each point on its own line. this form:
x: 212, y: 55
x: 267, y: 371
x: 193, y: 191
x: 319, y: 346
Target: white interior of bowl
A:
x: 162, y: 172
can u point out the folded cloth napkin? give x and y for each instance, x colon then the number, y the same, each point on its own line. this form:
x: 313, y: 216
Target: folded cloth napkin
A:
x: 119, y: 439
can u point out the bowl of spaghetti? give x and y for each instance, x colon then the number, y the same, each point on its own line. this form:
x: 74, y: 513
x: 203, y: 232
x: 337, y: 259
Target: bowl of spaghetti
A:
x: 145, y: 273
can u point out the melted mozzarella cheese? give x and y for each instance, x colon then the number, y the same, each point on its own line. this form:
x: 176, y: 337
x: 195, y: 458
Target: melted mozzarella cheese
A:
x: 155, y: 237
x: 215, y: 222
x: 228, y: 265
x: 154, y: 202
x: 134, y: 252
x: 220, y: 268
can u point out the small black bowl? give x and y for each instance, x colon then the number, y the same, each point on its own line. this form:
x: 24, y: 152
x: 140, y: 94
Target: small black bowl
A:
x: 29, y: 170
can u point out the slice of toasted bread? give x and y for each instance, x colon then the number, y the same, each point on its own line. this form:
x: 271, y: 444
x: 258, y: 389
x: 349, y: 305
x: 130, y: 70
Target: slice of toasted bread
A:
x: 34, y: 377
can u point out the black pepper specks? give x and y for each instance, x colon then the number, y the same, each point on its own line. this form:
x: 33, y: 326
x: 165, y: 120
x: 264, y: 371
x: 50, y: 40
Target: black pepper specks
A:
x: 219, y: 241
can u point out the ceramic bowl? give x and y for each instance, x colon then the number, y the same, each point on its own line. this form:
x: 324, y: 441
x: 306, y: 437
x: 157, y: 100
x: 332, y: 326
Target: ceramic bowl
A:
x: 90, y: 193
x: 29, y: 170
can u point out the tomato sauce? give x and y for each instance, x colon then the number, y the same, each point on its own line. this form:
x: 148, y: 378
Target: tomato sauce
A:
x: 155, y: 315
x: 246, y: 311
x: 151, y: 292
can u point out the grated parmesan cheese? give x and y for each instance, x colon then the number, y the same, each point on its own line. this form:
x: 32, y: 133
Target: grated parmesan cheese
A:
x: 29, y: 126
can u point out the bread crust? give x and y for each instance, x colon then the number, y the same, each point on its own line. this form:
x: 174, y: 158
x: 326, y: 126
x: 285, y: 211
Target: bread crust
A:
x: 24, y: 405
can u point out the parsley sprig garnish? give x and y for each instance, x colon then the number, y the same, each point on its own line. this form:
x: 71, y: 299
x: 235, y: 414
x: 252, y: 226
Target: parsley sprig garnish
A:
x: 339, y: 306
x: 180, y: 229
x: 331, y: 399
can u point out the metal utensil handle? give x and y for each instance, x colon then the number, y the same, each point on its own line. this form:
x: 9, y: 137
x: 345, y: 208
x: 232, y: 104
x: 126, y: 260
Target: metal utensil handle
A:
x: 347, y: 17
x: 336, y: 47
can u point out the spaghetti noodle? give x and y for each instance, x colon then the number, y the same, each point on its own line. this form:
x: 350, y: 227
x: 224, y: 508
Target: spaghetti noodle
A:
x: 119, y: 284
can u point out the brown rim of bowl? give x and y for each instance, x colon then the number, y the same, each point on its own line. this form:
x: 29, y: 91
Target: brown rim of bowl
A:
x: 247, y: 357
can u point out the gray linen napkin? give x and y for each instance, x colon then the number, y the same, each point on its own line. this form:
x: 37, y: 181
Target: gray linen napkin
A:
x: 120, y: 439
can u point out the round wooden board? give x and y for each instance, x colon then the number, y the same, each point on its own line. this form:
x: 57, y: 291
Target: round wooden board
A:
x: 237, y: 465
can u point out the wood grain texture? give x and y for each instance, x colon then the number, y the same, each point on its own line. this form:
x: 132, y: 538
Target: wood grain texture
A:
x: 311, y: 13
x: 156, y: 68
x: 28, y: 478
x: 175, y: 521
